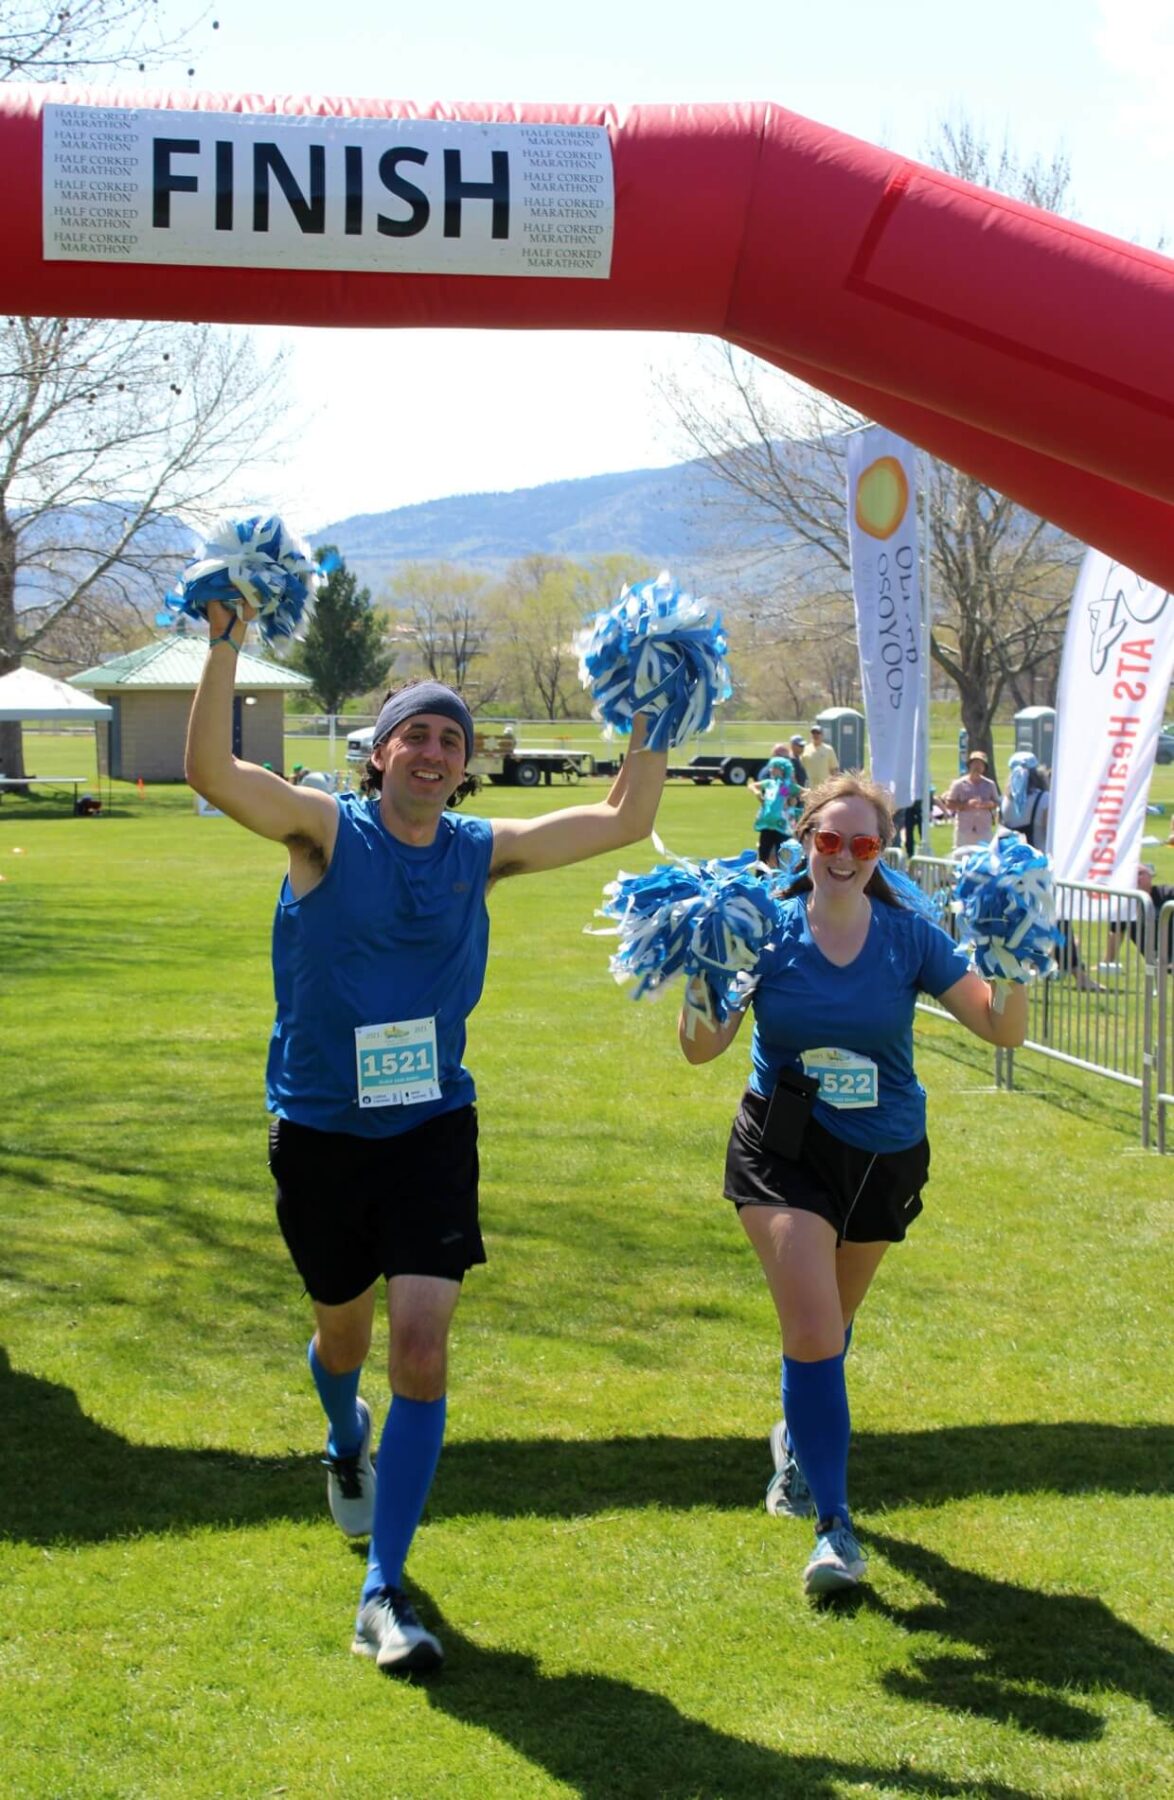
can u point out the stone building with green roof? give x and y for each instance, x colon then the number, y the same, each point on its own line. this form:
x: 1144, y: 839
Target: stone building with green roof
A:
x: 149, y: 692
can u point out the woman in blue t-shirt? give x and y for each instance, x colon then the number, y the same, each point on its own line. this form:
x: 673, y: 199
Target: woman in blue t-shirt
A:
x: 828, y: 1153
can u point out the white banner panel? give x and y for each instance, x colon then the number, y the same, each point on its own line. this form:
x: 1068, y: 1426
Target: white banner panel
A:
x: 1114, y: 677
x: 269, y: 191
x: 882, y: 531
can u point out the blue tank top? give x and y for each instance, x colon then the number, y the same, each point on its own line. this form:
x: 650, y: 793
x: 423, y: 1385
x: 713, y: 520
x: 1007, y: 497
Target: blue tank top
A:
x: 391, y: 932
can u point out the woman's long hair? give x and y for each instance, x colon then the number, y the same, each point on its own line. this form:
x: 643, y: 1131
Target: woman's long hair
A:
x: 849, y: 787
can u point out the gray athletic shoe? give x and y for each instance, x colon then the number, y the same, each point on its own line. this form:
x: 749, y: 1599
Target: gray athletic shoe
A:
x: 350, y: 1483
x: 837, y: 1562
x: 388, y: 1630
x: 787, y: 1493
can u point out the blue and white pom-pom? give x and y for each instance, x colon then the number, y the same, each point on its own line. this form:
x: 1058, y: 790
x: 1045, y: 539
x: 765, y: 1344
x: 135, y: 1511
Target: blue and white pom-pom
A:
x: 708, y: 921
x: 658, y: 652
x: 257, y: 561
x: 1003, y: 896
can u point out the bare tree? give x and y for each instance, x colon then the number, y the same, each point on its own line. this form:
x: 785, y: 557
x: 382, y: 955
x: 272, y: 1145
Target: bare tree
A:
x: 1001, y: 577
x: 441, y: 610
x: 106, y: 428
x: 44, y: 40
x: 536, y: 611
x: 958, y: 149
x: 108, y: 431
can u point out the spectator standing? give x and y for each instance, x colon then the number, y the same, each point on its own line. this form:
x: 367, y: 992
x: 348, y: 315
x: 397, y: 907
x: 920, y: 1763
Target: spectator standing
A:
x: 1024, y: 806
x: 796, y: 750
x: 777, y: 792
x: 819, y: 759
x: 973, y: 800
x: 907, y: 825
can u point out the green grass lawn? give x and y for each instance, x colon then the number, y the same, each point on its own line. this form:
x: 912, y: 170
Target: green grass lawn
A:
x: 621, y: 1616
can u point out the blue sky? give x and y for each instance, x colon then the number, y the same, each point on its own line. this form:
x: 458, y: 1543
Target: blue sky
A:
x: 409, y: 416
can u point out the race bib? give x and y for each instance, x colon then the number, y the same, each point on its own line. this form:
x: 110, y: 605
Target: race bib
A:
x: 845, y: 1078
x: 396, y: 1063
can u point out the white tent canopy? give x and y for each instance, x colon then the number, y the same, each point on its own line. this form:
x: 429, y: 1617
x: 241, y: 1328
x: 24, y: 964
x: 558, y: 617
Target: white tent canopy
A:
x: 25, y: 694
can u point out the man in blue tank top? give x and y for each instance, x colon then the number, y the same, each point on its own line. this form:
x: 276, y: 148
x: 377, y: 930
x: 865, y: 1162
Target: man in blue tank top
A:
x: 380, y: 943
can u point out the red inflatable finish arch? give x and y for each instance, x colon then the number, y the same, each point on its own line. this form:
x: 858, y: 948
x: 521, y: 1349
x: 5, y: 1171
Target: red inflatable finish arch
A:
x: 1028, y: 350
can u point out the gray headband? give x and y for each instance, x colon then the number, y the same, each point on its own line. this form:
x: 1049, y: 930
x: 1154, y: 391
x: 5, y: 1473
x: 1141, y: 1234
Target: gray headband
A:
x: 424, y: 697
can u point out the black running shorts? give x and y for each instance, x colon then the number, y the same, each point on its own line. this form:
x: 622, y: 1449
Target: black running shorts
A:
x: 354, y: 1208
x: 867, y: 1196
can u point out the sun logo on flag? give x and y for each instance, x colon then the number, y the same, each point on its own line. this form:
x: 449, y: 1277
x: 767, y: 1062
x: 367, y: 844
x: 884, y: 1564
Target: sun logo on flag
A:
x: 882, y: 497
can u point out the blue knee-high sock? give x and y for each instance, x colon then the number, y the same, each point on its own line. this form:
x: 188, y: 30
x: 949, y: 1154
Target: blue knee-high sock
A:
x: 408, y: 1453
x: 847, y: 1347
x: 338, y: 1394
x: 815, y: 1400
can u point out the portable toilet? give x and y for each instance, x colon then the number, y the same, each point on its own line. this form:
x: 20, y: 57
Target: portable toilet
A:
x: 1035, y: 730
x: 844, y: 731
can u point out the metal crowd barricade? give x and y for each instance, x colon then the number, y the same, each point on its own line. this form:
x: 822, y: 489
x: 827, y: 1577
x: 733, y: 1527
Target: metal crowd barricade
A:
x: 1107, y: 1009
x: 1164, y: 1059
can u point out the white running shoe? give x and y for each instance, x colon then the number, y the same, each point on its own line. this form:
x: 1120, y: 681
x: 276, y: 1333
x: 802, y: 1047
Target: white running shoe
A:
x: 787, y: 1493
x: 350, y: 1483
x: 837, y: 1562
x: 388, y: 1630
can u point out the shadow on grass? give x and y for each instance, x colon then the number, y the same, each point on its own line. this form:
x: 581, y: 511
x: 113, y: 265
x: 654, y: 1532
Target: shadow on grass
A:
x: 1039, y: 1077
x: 607, y: 1740
x: 68, y: 1476
x: 1072, y: 1644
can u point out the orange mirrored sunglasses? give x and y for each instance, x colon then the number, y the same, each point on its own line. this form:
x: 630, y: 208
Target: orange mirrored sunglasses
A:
x: 863, y: 846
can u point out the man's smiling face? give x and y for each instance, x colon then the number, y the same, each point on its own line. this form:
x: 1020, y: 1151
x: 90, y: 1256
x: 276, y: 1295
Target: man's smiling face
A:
x: 422, y: 762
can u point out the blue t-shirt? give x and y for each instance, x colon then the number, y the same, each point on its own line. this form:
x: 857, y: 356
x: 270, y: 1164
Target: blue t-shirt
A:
x: 392, y: 932
x: 803, y: 1002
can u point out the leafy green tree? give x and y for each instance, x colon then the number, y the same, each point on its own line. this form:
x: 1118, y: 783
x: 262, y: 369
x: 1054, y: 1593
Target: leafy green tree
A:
x: 344, y: 651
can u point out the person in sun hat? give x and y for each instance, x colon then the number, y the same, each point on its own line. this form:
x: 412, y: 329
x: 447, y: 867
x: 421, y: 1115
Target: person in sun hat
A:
x: 974, y: 802
x: 828, y: 1155
x: 380, y: 944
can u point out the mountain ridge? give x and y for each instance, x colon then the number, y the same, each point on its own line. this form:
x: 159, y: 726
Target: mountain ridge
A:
x: 659, y: 515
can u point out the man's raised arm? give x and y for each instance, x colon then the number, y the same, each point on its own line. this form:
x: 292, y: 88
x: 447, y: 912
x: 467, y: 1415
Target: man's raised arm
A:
x: 525, y: 846
x: 254, y: 797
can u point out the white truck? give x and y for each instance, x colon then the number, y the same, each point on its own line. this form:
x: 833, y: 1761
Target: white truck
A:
x: 500, y: 759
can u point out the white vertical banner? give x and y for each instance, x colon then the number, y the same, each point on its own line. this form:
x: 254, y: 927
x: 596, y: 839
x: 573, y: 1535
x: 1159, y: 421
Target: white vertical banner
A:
x: 882, y: 532
x: 1114, y: 677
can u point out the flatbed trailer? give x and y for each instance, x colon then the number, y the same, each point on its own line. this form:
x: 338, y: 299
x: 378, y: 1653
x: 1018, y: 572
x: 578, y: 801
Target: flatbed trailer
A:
x: 526, y: 767
x: 502, y: 760
x: 732, y: 771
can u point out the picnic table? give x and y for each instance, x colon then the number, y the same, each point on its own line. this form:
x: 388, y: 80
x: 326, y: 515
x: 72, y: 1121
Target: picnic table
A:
x: 23, y: 783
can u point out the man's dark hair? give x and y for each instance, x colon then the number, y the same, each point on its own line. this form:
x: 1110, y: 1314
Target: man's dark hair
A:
x: 372, y: 782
